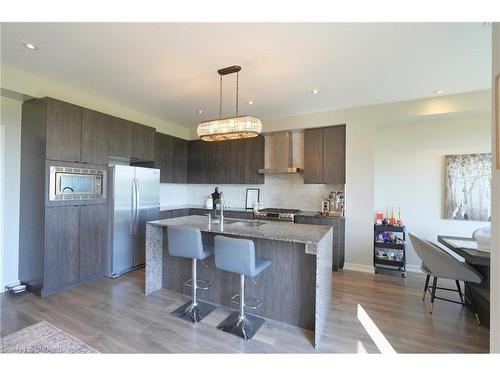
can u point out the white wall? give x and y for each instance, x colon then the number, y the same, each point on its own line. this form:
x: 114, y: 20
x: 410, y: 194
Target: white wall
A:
x: 409, y: 170
x: 11, y: 120
x: 495, y: 219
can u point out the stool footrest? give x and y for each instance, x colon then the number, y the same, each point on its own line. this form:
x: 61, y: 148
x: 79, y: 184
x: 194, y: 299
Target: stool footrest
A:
x: 255, y: 303
x: 200, y: 284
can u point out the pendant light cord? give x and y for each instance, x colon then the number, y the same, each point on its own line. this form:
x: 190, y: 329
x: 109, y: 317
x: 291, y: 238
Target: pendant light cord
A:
x: 220, y: 97
x: 237, y: 91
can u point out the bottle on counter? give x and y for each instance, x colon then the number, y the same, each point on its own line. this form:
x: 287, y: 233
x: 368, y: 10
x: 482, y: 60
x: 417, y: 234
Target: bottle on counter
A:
x: 209, y: 203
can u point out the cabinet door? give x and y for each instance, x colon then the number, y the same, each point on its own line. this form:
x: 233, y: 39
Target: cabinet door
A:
x: 93, y: 239
x: 198, y: 163
x: 120, y: 138
x: 247, y: 215
x: 64, y: 131
x: 95, y: 137
x: 252, y: 159
x: 313, y: 156
x: 144, y: 142
x: 62, y: 243
x: 334, y: 155
x: 171, y: 157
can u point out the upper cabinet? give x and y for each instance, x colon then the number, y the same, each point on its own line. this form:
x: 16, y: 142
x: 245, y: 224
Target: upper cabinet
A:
x: 229, y: 162
x: 63, y: 131
x: 76, y: 134
x: 334, y: 155
x: 324, y: 155
x: 95, y: 137
x: 130, y: 140
x: 120, y: 138
x: 144, y: 142
x: 171, y: 157
x: 313, y: 156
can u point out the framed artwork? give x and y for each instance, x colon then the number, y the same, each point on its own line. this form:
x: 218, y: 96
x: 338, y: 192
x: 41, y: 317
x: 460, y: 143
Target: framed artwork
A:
x: 468, y: 187
x: 253, y: 196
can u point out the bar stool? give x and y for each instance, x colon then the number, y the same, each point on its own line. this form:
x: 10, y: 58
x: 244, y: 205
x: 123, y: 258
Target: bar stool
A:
x: 187, y: 243
x: 238, y: 256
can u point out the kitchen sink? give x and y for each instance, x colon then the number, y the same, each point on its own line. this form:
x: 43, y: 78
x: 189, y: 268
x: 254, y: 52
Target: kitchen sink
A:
x: 247, y: 223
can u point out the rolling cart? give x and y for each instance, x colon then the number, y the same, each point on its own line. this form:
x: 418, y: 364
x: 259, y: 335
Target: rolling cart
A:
x: 390, y: 255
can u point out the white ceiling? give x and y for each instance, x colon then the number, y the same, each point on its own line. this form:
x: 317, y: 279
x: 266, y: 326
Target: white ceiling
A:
x: 168, y: 70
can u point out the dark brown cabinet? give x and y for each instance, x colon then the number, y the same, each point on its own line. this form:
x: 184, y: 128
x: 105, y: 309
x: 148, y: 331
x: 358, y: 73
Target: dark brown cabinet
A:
x: 197, y: 162
x: 61, y: 256
x: 170, y: 214
x: 230, y: 162
x: 95, y: 137
x: 63, y: 130
x: 143, y: 142
x: 120, y: 138
x: 93, y: 239
x: 334, y: 155
x: 313, y: 156
x: 76, y: 239
x: 171, y: 157
x: 338, y: 225
x: 324, y: 155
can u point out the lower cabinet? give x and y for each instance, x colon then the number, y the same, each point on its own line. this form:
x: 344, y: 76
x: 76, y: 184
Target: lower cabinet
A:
x: 338, y: 225
x: 76, y: 239
x: 93, y: 239
x: 62, y: 246
x: 170, y: 214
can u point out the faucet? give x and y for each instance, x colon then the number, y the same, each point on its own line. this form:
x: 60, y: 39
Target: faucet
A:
x: 221, y: 202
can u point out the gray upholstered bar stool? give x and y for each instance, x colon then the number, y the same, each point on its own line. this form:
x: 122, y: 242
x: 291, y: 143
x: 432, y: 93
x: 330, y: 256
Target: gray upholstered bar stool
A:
x: 238, y: 256
x: 187, y: 243
x: 439, y: 264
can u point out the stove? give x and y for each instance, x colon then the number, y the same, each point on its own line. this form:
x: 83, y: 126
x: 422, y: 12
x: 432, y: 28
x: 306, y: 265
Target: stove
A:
x: 279, y: 214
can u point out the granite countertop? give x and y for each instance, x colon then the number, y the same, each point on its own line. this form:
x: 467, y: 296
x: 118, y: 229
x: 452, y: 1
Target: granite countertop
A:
x: 317, y: 214
x: 200, y: 206
x: 269, y: 230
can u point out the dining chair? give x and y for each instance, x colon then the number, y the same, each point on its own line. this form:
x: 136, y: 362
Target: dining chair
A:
x: 440, y: 264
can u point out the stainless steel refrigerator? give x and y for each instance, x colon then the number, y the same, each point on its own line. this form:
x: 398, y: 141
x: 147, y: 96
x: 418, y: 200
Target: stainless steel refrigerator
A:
x: 134, y: 200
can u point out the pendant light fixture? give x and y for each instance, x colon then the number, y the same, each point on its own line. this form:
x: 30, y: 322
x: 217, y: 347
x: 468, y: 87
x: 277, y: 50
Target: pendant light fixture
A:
x: 229, y: 128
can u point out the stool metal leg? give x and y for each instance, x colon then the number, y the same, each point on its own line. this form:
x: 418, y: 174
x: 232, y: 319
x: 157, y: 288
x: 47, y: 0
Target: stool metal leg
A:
x: 239, y: 323
x: 194, y: 311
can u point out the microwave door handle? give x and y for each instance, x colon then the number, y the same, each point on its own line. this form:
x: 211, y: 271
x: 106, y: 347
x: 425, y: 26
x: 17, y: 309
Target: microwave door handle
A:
x: 137, y: 202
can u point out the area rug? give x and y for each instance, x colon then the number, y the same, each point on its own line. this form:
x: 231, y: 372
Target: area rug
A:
x: 42, y: 337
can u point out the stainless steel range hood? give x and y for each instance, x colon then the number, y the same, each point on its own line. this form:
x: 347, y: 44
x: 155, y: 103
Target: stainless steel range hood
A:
x: 279, y: 148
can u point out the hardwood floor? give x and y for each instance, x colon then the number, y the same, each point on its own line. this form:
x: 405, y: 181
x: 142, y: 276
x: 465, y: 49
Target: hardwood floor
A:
x: 115, y: 316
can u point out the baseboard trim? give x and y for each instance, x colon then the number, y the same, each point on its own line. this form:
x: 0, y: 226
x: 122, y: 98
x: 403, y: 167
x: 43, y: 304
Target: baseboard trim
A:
x: 413, y: 268
x: 359, y: 267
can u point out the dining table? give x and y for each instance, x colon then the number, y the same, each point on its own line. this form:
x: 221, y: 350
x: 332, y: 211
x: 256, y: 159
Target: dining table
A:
x: 466, y: 248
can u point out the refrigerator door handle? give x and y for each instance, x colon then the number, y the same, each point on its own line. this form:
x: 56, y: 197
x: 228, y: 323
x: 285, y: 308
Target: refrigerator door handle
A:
x: 132, y: 220
x: 137, y: 202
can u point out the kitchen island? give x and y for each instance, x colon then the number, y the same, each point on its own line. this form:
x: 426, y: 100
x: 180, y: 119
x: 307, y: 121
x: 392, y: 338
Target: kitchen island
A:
x: 296, y: 288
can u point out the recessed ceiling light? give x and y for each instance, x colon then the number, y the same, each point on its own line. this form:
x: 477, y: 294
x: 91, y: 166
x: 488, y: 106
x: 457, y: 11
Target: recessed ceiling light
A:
x: 315, y: 91
x: 30, y: 46
x: 200, y: 111
x: 438, y: 91
x: 250, y: 102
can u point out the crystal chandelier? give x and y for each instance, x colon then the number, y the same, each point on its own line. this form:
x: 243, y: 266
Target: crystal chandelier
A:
x: 229, y: 128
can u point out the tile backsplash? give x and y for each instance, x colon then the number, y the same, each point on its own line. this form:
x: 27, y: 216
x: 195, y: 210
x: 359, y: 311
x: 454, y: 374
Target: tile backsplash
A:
x: 284, y: 191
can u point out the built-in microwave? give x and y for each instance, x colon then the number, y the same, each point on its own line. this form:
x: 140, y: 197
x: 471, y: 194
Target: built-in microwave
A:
x: 76, y: 183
